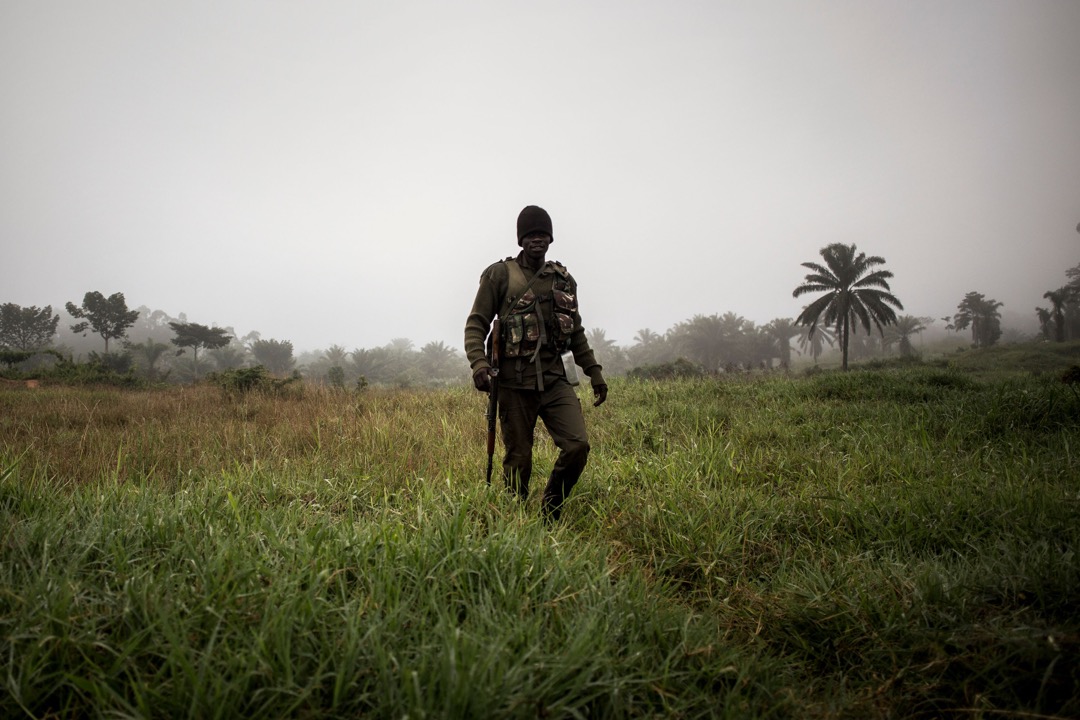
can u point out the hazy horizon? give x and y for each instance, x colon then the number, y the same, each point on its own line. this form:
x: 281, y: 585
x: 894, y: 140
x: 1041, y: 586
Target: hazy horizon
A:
x: 339, y: 173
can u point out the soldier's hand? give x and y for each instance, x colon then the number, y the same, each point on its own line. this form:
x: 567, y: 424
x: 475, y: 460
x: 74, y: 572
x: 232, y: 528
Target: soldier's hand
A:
x: 482, y: 379
x: 599, y: 387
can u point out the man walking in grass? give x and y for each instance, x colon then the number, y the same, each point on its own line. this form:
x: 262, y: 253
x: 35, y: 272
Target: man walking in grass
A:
x: 540, y: 340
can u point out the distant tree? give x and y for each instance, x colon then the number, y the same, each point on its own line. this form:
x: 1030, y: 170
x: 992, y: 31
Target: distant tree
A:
x: 229, y: 357
x: 336, y: 356
x: 813, y: 340
x: 864, y: 345
x: 250, y: 339
x: 108, y: 317
x: 151, y: 324
x: 900, y: 332
x: 26, y: 329
x: 1072, y: 306
x: 1059, y: 299
x: 335, y: 376
x: 645, y: 336
x: 437, y: 361
x: 400, y: 346
x: 275, y: 355
x: 712, y: 341
x: 649, y: 348
x: 981, y: 315
x: 607, y: 352
x: 145, y: 356
x: 195, y: 336
x: 324, y: 362
x: 1073, y: 274
x: 374, y: 365
x: 853, y: 293
x: 602, y: 346
x: 781, y: 331
x: 759, y: 347
x: 1045, y: 320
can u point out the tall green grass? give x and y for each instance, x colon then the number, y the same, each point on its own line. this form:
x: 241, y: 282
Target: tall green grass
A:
x: 884, y: 543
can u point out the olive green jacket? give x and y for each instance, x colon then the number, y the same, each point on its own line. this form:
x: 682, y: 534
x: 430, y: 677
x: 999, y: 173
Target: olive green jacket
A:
x: 491, y: 298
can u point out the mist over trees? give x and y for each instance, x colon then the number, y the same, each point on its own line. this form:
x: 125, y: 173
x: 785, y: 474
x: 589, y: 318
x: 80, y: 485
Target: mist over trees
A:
x: 109, y: 317
x: 1061, y: 321
x: 982, y: 315
x: 195, y: 336
x: 853, y: 317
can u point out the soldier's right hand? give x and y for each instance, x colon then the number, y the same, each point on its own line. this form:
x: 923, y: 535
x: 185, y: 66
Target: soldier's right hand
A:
x: 482, y: 379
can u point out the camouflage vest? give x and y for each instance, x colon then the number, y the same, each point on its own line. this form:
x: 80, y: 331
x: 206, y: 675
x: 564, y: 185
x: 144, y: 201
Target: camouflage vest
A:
x: 524, y: 328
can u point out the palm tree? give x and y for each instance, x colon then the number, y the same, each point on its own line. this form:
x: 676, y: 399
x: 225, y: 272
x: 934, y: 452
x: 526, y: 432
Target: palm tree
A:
x: 233, y: 355
x: 146, y: 355
x: 982, y: 315
x: 712, y: 341
x: 336, y: 355
x: 782, y: 330
x: 901, y: 331
x: 607, y: 352
x: 1045, y: 316
x: 1058, y: 300
x: 853, y: 293
x: 645, y: 336
x: 437, y: 360
x: 649, y: 348
x: 374, y: 365
x: 814, y: 341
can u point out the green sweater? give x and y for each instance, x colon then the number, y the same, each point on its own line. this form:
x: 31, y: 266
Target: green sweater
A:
x: 491, y: 297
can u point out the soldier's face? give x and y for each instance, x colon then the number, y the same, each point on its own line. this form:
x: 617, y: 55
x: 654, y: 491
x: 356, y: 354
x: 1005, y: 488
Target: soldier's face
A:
x: 535, y: 245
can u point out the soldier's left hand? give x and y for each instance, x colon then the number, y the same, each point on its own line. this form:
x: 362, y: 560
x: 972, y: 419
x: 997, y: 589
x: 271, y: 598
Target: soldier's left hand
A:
x: 600, y: 393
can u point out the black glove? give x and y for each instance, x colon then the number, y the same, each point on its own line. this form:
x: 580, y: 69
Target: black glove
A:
x: 599, y: 387
x: 482, y: 379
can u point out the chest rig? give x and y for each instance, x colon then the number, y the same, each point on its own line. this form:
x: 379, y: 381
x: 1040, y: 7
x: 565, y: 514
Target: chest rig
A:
x: 531, y: 320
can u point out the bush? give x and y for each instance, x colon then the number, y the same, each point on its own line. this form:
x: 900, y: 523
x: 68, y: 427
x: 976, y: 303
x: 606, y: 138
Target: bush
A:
x: 245, y: 380
x: 681, y: 368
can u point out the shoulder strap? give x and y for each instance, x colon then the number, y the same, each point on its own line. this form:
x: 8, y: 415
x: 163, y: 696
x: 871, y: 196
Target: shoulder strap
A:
x: 517, y: 285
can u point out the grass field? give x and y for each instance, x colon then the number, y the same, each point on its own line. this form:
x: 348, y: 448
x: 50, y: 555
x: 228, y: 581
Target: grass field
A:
x: 888, y: 542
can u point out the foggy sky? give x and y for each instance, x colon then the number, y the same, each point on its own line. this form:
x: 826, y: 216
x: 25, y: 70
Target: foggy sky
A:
x: 341, y: 172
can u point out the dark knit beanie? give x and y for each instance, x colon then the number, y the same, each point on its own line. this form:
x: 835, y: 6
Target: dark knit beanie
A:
x: 533, y: 219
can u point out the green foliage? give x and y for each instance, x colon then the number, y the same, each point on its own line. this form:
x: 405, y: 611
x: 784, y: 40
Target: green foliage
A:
x: 275, y: 355
x: 881, y: 543
x: 110, y: 369
x: 145, y: 357
x: 196, y: 336
x: 982, y: 315
x: 1005, y: 360
x: 14, y: 357
x: 715, y: 341
x: 251, y: 379
x: 681, y: 368
x: 108, y: 317
x: 29, y: 328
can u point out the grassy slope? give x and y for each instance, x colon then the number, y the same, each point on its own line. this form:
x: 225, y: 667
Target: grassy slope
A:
x: 887, y: 542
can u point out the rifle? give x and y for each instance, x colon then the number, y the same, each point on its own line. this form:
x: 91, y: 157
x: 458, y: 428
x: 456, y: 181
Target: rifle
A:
x: 493, y: 394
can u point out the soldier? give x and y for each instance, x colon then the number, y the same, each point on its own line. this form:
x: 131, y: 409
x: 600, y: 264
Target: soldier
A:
x: 540, y: 341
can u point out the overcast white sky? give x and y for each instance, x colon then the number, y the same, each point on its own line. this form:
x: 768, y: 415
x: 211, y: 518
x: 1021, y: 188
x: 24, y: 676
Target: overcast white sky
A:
x: 341, y: 172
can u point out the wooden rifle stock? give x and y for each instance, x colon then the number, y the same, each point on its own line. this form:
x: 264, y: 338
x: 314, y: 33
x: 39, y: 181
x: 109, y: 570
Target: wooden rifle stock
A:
x: 493, y: 394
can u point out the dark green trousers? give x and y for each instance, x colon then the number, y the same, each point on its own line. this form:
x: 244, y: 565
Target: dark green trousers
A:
x: 560, y: 410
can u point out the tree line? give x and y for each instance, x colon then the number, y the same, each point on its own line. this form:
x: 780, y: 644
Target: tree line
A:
x: 853, y: 303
